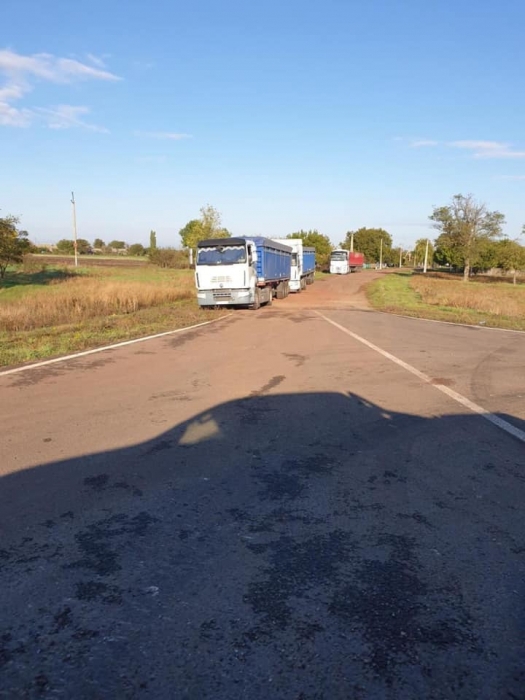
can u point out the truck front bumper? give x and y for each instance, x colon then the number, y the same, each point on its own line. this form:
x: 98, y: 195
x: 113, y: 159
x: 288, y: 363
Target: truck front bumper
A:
x: 225, y: 297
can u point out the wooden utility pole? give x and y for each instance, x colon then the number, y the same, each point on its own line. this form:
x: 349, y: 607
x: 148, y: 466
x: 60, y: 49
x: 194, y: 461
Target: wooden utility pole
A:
x: 426, y: 258
x: 381, y: 255
x: 74, y: 227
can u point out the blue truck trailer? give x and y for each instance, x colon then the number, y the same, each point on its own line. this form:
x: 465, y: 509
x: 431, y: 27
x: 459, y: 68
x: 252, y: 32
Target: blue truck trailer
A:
x: 242, y: 271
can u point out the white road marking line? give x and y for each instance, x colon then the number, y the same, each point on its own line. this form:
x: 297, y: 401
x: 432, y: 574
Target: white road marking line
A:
x: 466, y: 403
x: 74, y: 356
x: 451, y: 323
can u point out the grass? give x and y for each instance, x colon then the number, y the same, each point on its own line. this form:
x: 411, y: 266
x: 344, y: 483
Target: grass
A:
x: 495, y: 305
x: 52, y: 312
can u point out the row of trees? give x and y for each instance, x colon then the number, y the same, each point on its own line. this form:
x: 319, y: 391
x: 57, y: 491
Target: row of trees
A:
x: 470, y: 238
x: 66, y: 246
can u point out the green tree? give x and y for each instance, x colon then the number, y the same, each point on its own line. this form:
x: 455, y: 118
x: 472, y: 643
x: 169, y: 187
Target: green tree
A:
x: 136, y: 249
x: 466, y: 224
x: 152, y: 240
x: 511, y: 257
x: 83, y: 247
x: 169, y: 257
x: 321, y: 243
x: 117, y: 245
x: 208, y: 226
x: 368, y: 242
x: 420, y: 251
x: 65, y: 247
x: 487, y: 255
x: 98, y: 243
x: 192, y: 233
x: 13, y: 243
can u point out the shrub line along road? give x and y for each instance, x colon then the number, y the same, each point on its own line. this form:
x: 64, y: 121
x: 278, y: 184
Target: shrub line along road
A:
x: 266, y: 507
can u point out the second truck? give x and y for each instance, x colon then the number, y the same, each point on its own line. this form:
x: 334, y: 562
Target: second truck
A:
x: 303, y: 263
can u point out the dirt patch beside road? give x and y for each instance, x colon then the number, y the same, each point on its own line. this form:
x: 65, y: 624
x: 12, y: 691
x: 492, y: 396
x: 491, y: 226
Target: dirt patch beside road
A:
x: 333, y: 292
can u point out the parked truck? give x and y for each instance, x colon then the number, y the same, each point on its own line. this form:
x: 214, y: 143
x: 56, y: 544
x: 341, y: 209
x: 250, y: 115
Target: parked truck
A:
x: 343, y: 261
x: 242, y: 271
x: 303, y: 263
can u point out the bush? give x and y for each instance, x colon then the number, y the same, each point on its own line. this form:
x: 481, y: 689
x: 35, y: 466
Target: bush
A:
x: 169, y: 257
x: 30, y: 265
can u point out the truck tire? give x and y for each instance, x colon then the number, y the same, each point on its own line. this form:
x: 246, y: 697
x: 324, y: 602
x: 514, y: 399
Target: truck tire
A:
x: 279, y: 292
x: 286, y: 289
x: 257, y: 301
x: 303, y: 283
x: 270, y: 298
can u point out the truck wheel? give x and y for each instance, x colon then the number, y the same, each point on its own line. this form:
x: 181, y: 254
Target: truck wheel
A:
x: 270, y: 298
x: 279, y: 292
x: 286, y: 289
x: 257, y: 301
x: 303, y: 283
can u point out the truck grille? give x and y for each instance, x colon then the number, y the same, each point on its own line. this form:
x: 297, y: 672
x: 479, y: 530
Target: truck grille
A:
x: 222, y: 293
x: 221, y: 279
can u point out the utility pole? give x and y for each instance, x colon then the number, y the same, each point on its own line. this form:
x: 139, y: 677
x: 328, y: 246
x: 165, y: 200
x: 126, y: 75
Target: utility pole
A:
x: 352, y: 242
x: 400, y: 257
x: 381, y: 255
x: 74, y: 227
x: 426, y: 258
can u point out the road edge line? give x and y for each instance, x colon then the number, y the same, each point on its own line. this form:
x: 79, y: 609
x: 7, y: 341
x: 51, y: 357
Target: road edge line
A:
x: 123, y: 343
x: 446, y: 323
x: 459, y: 398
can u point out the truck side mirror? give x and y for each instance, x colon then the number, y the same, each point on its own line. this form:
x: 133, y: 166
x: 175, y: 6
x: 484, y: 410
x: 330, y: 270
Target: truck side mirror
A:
x: 254, y: 256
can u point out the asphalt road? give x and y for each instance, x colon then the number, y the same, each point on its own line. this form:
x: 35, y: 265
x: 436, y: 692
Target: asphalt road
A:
x: 268, y: 507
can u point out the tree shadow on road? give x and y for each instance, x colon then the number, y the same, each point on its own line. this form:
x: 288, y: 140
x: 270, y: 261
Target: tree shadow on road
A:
x: 280, y: 546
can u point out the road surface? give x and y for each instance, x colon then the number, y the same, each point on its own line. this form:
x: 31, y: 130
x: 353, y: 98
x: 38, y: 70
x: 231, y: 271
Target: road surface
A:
x: 295, y: 503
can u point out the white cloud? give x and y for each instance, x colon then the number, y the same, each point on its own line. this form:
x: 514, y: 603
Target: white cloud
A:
x: 67, y: 116
x: 488, y: 149
x: 21, y: 72
x: 49, y: 67
x: 96, y: 60
x: 477, y: 149
x: 168, y: 135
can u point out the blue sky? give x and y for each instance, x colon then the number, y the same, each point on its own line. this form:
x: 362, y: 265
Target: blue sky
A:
x: 283, y: 115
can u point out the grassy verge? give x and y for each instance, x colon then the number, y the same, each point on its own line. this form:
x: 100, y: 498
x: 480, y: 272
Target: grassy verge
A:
x: 495, y: 305
x: 54, y: 312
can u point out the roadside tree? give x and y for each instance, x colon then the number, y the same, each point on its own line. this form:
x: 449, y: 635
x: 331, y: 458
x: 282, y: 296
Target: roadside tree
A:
x: 65, y: 247
x: 368, y: 242
x: 419, y: 252
x: 13, y: 243
x: 208, y: 226
x: 464, y: 225
x: 511, y: 257
x: 136, y: 249
x: 83, y: 246
x: 117, y: 245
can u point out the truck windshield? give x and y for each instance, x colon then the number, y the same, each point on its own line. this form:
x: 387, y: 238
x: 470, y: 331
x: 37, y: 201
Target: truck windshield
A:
x: 339, y: 255
x: 294, y: 258
x: 221, y: 255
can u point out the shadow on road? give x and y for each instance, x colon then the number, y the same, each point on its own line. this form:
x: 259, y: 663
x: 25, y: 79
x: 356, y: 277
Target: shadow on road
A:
x: 280, y: 546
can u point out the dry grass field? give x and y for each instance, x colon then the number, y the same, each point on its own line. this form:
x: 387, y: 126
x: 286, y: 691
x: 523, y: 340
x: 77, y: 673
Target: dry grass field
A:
x: 447, y: 298
x: 49, y: 311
